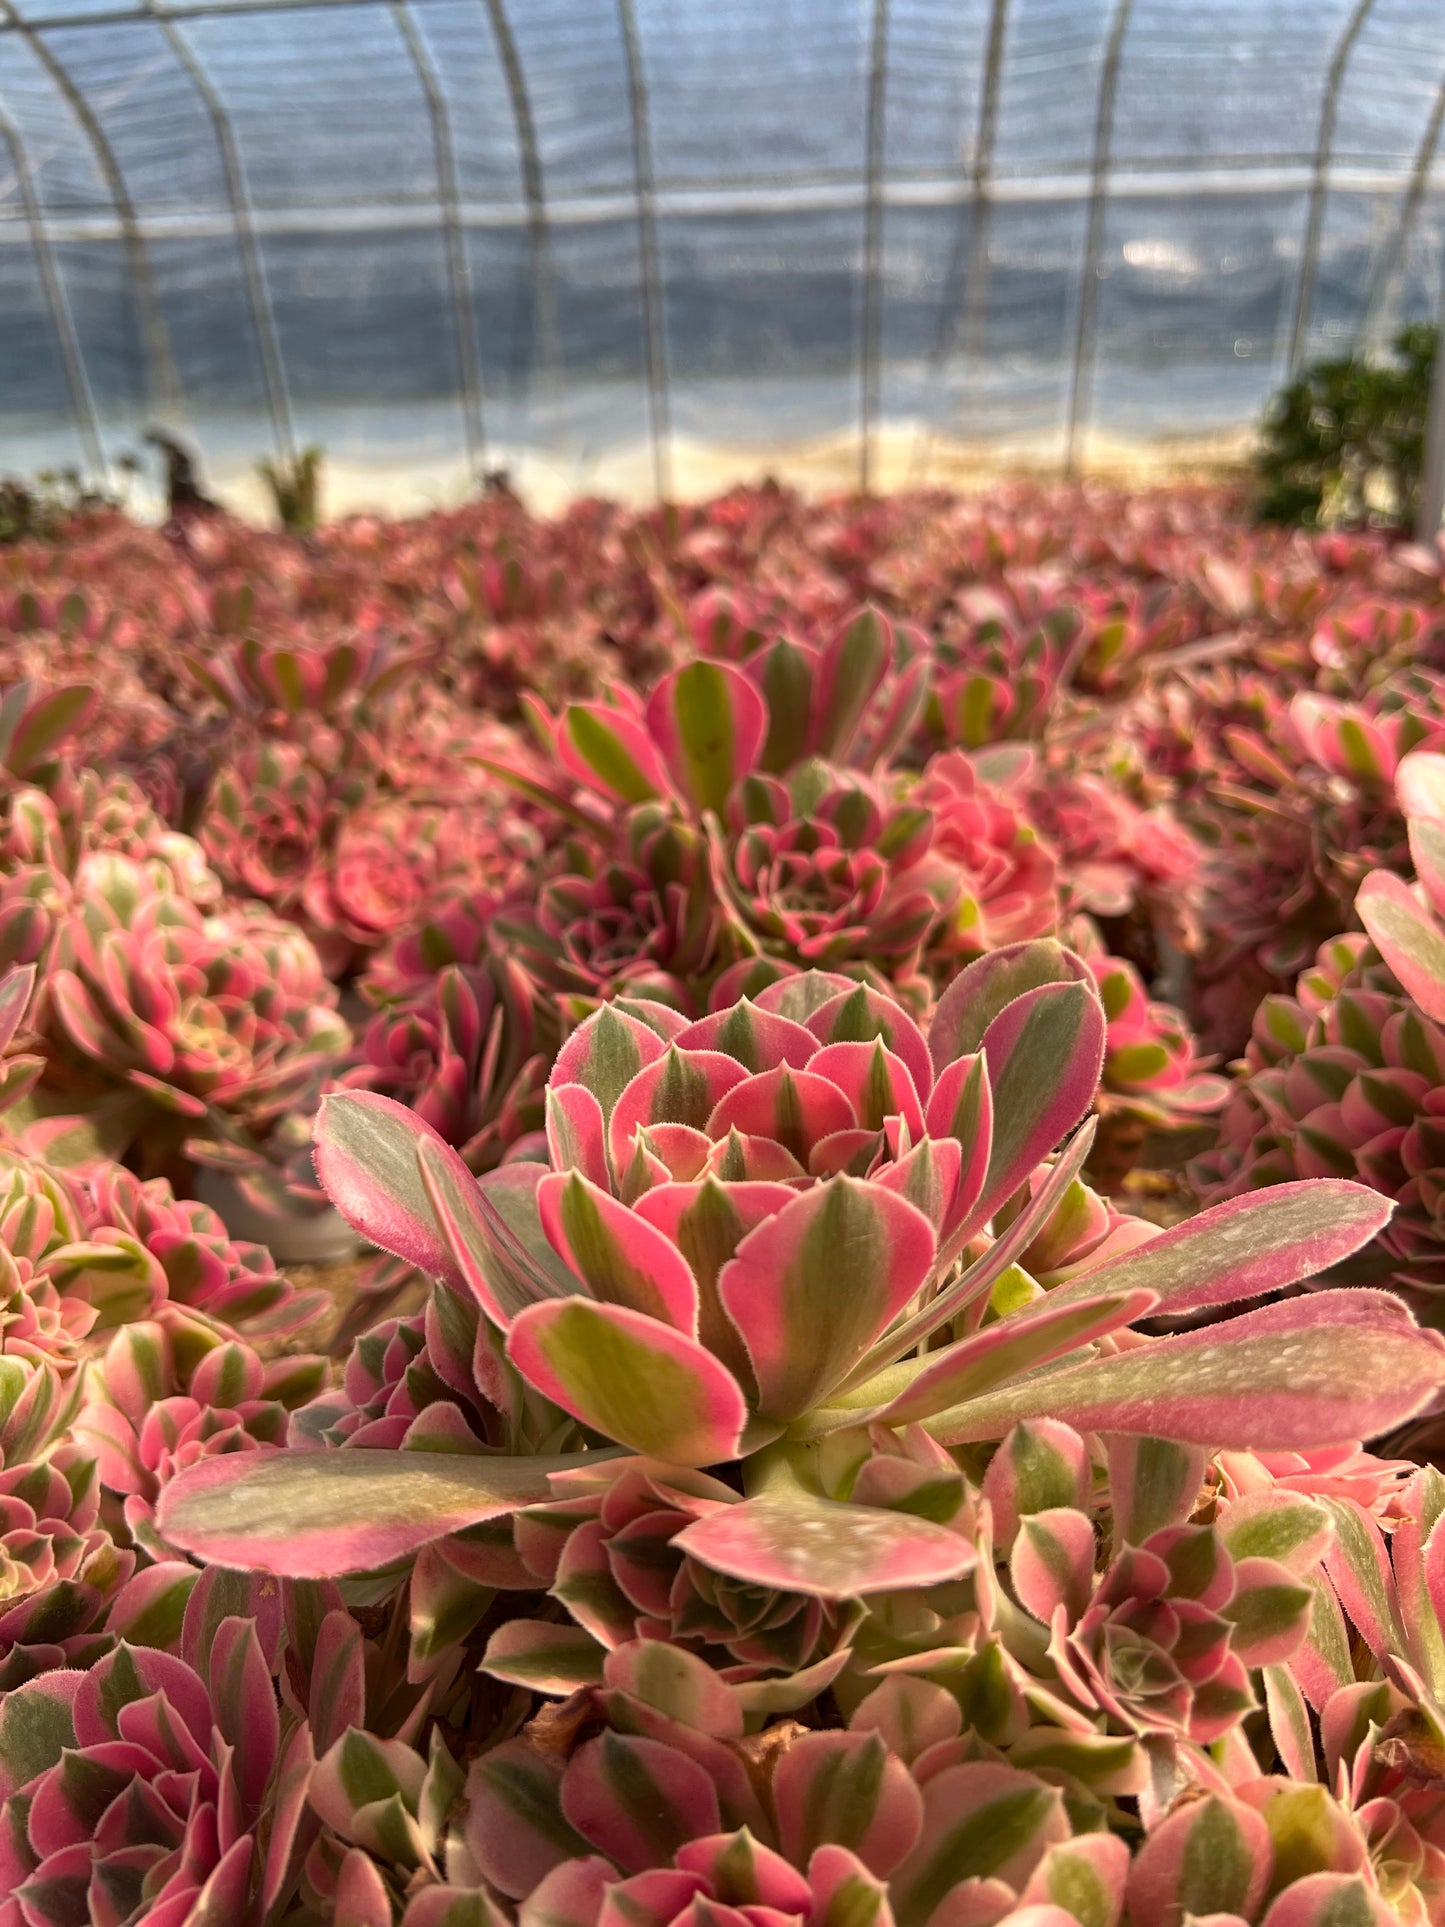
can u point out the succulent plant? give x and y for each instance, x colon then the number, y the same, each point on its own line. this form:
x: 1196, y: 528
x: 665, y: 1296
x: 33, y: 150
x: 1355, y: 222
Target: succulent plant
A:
x: 1348, y: 1076
x: 727, y: 1261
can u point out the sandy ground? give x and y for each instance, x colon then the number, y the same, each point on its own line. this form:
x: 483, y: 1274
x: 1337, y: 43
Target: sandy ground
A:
x: 903, y: 455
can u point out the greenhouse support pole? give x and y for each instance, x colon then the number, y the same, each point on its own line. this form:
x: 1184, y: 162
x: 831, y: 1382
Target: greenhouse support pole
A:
x: 1082, y: 376
x: 1304, y: 297
x: 454, y: 241
x: 82, y: 399
x: 163, y: 380
x: 872, y: 343
x: 654, y: 338
x: 258, y: 293
x: 970, y: 237
x: 534, y: 191
x: 1382, y: 293
x: 1430, y: 506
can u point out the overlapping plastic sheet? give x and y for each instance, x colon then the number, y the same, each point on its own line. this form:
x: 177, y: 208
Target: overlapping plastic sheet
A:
x: 587, y: 239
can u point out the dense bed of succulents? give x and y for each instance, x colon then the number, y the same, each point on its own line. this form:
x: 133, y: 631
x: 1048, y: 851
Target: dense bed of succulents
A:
x: 721, y: 969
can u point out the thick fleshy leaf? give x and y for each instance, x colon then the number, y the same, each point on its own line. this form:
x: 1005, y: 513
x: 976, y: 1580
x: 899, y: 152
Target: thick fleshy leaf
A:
x: 820, y: 1547
x: 793, y: 1108
x: 980, y: 1822
x: 1269, y: 1612
x: 1052, y: 1563
x: 1245, y: 1247
x: 813, y: 1287
x: 642, y: 1799
x: 1287, y: 1527
x: 17, y: 987
x: 1360, y: 1571
x: 1330, y: 1900
x: 844, y: 1790
x: 605, y: 1053
x: 632, y: 1379
x: 981, y: 992
x: 1331, y: 1366
x: 1044, y: 1052
x: 1418, y: 1556
x: 493, y: 1230
x: 858, y: 1014
x: 708, y: 720
x: 366, y: 1159
x: 1038, y: 1467
x: 1004, y: 1350
x: 1085, y: 1878
x: 1407, y: 936
x: 757, y: 1039
x: 680, y: 1087
x: 544, y: 1656
x: 310, y: 1515
x: 1289, y: 1724
x: 1153, y: 1483
x: 876, y: 1083
x: 981, y: 1276
x: 1212, y: 1856
x: 707, y: 1222
x: 851, y: 668
x: 516, y: 1829
x: 36, y: 1725
x: 576, y: 1135
x: 609, y: 751
x: 677, y: 1683
x: 621, y: 1258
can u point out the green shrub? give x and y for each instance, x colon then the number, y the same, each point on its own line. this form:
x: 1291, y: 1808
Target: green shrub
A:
x: 1343, y: 443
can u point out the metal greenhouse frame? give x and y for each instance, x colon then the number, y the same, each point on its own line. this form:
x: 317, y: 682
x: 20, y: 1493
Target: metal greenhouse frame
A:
x: 80, y: 178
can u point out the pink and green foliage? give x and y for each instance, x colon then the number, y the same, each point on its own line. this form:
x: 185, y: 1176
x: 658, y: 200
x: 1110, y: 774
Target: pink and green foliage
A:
x: 173, y: 1390
x: 466, y: 1047
x: 775, y: 1502
x: 156, y: 1786
x: 751, y: 1225
x: 189, y: 1013
x: 1348, y: 1076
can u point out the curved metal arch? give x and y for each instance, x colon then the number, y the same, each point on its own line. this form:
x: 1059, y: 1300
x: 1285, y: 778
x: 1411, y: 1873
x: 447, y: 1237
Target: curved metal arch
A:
x: 534, y: 191
x: 1094, y: 234
x: 872, y: 338
x: 654, y: 334
x: 163, y: 380
x: 1304, y: 300
x: 258, y: 293
x: 82, y: 400
x: 969, y: 254
x: 449, y: 195
x: 1382, y: 292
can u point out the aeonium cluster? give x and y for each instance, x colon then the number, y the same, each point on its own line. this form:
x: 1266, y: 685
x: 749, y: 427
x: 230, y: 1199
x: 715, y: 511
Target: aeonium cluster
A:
x: 763, y: 1386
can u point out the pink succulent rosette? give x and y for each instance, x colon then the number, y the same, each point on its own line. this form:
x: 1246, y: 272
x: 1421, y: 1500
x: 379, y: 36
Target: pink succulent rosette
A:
x: 465, y: 1048
x: 1008, y: 873
x: 176, y: 1389
x: 143, y: 1783
x: 229, y: 1012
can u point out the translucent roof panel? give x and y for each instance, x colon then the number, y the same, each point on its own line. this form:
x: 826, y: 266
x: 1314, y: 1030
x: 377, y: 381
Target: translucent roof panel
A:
x: 601, y: 242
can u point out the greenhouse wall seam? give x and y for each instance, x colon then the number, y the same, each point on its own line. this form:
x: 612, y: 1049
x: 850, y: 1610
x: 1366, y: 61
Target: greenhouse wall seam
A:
x: 253, y: 268
x: 162, y: 377
x: 453, y: 241
x: 1099, y: 191
x: 1320, y: 184
x: 77, y: 380
x: 534, y: 192
x: 364, y: 216
x: 1382, y: 288
x: 873, y: 209
x: 654, y: 334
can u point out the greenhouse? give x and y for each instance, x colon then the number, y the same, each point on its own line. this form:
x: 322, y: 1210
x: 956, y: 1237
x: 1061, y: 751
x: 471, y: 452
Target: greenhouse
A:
x: 722, y: 963
x: 636, y: 246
